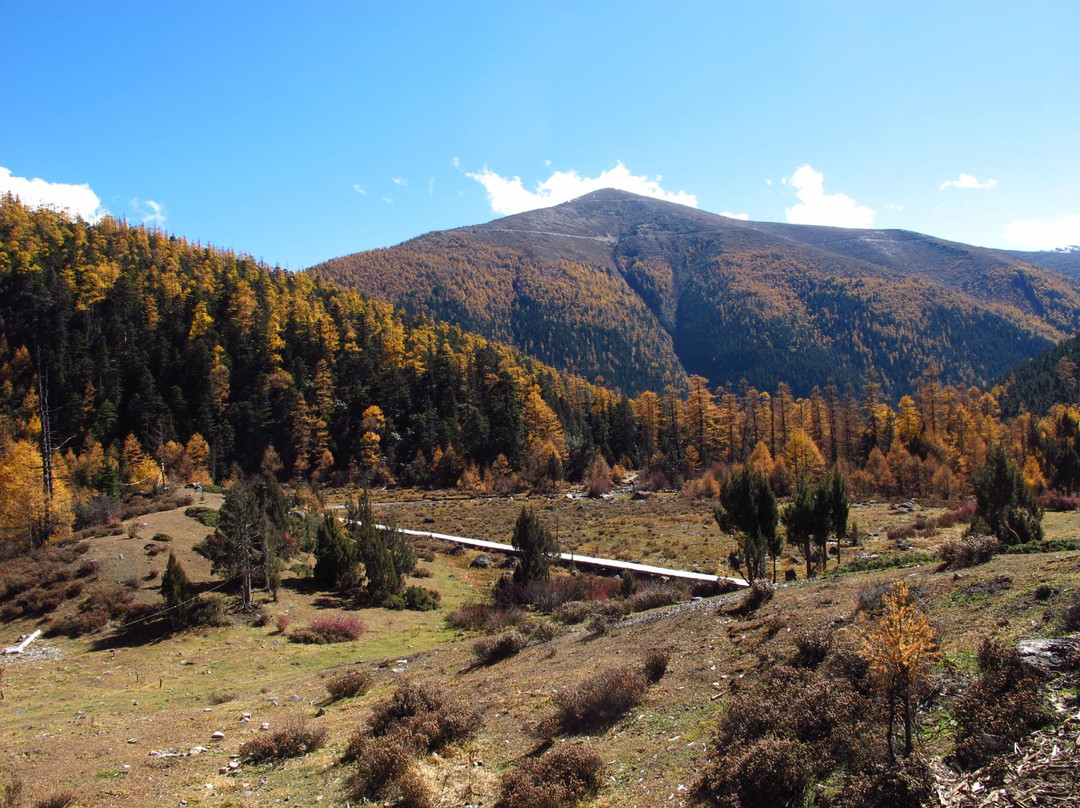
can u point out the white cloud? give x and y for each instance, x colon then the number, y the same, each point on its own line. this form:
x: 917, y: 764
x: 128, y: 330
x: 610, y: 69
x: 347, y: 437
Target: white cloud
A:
x: 817, y: 207
x: 968, y: 181
x: 744, y: 216
x: 893, y: 206
x: 153, y: 213
x: 455, y: 162
x: 508, y: 195
x: 768, y: 182
x: 431, y: 186
x: 360, y: 190
x: 77, y: 200
x: 399, y: 181
x: 1035, y: 235
x: 388, y: 200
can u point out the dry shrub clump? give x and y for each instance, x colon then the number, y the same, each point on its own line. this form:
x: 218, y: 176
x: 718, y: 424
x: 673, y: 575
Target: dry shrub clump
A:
x: 384, y: 773
x: 485, y: 617
x: 103, y: 604
x: 1071, y: 616
x: 758, y: 594
x: 597, y: 702
x: 415, y: 720
x: 489, y: 650
x: 656, y: 595
x: 561, y: 777
x: 348, y: 684
x: 969, y: 551
x: 295, y: 740
x: 1002, y: 706
x: 572, y: 613
x: 424, y: 717
x: 59, y: 800
x: 655, y: 665
x: 34, y: 585
x: 791, y: 728
x: 340, y: 628
x: 549, y: 595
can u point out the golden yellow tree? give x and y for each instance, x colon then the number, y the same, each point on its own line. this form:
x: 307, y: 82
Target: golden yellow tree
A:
x: 900, y: 653
x: 26, y: 510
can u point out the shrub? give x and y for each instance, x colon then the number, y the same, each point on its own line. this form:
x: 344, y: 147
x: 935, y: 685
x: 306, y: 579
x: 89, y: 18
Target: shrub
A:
x: 203, y: 515
x: 222, y: 697
x: 561, y: 777
x: 11, y: 792
x: 490, y: 650
x: 339, y: 628
x: 969, y: 551
x: 60, y: 800
x: 540, y: 630
x: 1044, y: 546
x: 78, y: 625
x: 422, y: 572
x: 655, y: 665
x: 907, y: 559
x: 295, y: 740
x: 572, y: 613
x: 162, y: 537
x: 758, y: 594
x: 485, y: 617
x: 1002, y: 706
x: 759, y: 773
x: 1071, y: 615
x: 812, y: 647
x: 87, y: 569
x: 655, y: 596
x: 348, y: 684
x: 282, y: 621
x: 599, y: 624
x: 420, y: 599
x: 1057, y: 501
x: 384, y: 773
x: 424, y: 717
x: 207, y: 610
x: 906, y: 783
x: 597, y: 702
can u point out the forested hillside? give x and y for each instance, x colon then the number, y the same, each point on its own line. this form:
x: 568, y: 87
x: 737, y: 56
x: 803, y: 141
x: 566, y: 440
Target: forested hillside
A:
x: 636, y: 293
x: 130, y: 359
x: 130, y: 349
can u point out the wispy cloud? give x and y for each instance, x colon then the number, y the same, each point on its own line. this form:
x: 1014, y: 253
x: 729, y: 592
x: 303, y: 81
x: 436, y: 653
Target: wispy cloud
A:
x: 361, y: 191
x: 817, y: 207
x: 968, y: 181
x: 388, y: 200
x: 744, y: 216
x: 77, y: 200
x: 431, y: 186
x: 399, y: 181
x: 1030, y: 234
x: 508, y: 195
x: 153, y: 213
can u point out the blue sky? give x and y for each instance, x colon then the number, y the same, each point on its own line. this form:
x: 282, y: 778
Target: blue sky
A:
x: 300, y: 131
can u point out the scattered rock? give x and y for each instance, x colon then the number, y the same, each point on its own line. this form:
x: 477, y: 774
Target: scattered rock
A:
x: 483, y: 561
x: 219, y: 735
x: 1049, y: 654
x: 456, y: 550
x: 429, y: 520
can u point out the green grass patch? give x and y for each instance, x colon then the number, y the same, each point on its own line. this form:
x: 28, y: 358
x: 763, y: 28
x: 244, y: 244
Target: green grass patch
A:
x: 1047, y: 546
x: 888, y: 562
x: 203, y: 515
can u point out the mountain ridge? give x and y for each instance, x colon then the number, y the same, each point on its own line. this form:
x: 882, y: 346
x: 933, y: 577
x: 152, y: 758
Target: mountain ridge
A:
x: 655, y: 291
